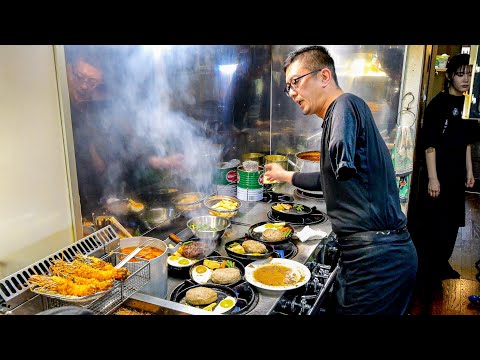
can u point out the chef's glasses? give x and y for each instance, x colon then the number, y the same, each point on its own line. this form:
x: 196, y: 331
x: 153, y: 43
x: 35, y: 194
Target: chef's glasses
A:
x: 92, y: 83
x: 295, y: 82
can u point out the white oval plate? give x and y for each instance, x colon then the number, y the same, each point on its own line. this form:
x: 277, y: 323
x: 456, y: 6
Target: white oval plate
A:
x: 292, y: 264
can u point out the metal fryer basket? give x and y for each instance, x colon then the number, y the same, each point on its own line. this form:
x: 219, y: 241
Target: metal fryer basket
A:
x: 122, y: 290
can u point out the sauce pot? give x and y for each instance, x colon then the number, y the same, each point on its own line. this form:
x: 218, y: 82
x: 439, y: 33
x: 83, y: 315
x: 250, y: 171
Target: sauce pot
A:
x: 157, y: 286
x: 308, y: 161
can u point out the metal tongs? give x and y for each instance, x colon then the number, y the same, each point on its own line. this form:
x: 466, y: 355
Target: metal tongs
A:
x: 104, y: 220
x: 135, y: 252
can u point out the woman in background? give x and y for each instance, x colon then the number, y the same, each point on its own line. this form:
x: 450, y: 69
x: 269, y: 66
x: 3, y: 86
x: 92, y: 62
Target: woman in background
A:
x: 446, y: 143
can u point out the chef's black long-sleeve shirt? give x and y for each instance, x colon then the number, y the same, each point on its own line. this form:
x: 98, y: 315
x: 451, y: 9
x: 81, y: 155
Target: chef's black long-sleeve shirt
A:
x: 357, y: 175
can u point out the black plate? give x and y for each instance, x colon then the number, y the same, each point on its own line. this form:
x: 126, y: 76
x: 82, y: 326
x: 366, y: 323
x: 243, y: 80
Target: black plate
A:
x: 291, y: 214
x: 258, y: 236
x: 316, y: 217
x: 238, y: 265
x: 221, y: 290
x: 247, y: 295
x: 269, y: 252
x: 183, y: 271
x: 285, y: 250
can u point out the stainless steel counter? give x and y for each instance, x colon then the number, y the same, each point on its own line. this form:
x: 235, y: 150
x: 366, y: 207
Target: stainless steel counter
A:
x: 255, y: 212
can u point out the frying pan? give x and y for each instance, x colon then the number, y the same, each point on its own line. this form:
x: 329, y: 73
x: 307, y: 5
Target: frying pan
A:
x: 258, y: 235
x: 159, y: 217
x: 221, y: 290
x: 238, y: 265
x: 270, y: 251
x: 157, y: 194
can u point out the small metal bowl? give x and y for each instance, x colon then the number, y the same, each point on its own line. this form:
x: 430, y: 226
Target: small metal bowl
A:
x: 159, y: 217
x: 211, y: 201
x: 189, y: 201
x: 214, y: 226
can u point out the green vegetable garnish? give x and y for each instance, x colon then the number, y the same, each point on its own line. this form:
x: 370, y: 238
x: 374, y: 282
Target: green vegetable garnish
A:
x: 299, y: 207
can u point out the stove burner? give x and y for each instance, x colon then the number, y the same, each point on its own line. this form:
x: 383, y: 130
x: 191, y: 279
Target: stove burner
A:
x: 315, y: 217
x: 308, y: 195
x: 310, y: 298
x: 286, y: 250
x: 247, y: 296
x: 271, y: 197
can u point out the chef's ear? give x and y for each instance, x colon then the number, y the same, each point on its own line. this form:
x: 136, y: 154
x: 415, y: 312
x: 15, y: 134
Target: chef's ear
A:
x: 325, y: 76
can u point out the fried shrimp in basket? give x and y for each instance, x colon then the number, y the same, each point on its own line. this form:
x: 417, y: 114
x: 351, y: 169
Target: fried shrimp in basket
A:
x: 83, y: 270
x: 56, y: 284
x: 100, y: 285
x: 94, y: 262
x: 84, y: 276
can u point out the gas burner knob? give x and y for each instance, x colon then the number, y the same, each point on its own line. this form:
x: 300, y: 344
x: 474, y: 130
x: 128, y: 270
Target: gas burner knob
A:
x: 314, y: 285
x: 294, y: 307
x: 310, y: 286
x: 304, y: 306
x: 318, y: 285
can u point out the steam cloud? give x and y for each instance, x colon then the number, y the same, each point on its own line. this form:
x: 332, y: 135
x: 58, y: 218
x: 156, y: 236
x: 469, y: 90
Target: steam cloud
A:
x: 154, y: 85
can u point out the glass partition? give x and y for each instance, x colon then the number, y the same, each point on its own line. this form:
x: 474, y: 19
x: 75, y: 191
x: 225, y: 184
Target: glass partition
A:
x: 160, y: 117
x: 166, y: 116
x: 373, y: 72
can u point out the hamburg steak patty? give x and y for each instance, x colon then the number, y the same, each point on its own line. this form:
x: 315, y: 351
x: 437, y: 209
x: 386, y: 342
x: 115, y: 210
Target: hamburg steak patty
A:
x: 196, y: 250
x: 200, y: 295
x: 273, y: 235
x: 226, y: 276
x: 252, y: 246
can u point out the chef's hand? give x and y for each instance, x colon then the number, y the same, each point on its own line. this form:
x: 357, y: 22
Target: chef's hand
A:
x: 97, y: 160
x: 167, y: 162
x: 274, y: 171
x: 433, y: 188
x: 470, y: 180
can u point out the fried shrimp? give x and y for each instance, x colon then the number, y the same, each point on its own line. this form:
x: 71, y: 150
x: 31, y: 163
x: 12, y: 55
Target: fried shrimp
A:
x: 85, y: 275
x: 94, y: 262
x: 63, y: 286
x: 100, y: 285
x: 80, y: 269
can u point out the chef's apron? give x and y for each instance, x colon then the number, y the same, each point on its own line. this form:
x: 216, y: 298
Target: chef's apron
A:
x: 376, y: 273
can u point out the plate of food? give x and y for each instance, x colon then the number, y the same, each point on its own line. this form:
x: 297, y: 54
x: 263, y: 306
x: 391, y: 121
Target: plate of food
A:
x: 248, y: 249
x: 271, y: 232
x: 189, y: 253
x: 277, y: 274
x: 290, y: 211
x: 217, y: 270
x: 219, y: 299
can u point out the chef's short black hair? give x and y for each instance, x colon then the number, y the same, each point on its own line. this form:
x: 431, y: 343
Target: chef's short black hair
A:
x: 314, y: 57
x: 91, y: 54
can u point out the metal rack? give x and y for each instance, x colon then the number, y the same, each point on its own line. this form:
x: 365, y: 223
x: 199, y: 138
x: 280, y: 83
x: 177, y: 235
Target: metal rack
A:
x: 16, y: 297
x: 122, y: 290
